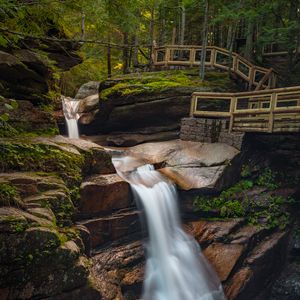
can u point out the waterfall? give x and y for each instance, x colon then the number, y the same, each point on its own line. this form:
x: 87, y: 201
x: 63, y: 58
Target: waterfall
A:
x: 175, y: 268
x: 70, y: 109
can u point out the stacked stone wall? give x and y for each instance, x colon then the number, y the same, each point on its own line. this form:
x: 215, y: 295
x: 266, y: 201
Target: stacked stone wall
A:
x: 209, y: 131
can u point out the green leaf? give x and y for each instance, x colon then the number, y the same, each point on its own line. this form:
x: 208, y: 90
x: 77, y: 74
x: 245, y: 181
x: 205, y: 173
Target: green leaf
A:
x: 8, y: 106
x: 4, y: 117
x: 14, y: 104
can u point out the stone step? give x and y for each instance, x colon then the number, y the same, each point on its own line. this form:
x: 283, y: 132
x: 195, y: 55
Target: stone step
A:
x: 103, y: 194
x: 110, y: 228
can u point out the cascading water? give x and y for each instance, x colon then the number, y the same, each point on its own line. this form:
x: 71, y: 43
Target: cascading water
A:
x: 175, y: 269
x: 70, y: 109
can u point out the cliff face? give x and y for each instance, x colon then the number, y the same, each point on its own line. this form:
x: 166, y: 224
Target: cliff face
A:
x: 26, y: 72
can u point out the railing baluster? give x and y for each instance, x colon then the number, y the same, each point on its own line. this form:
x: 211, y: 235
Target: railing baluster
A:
x: 272, y: 106
x: 232, y: 110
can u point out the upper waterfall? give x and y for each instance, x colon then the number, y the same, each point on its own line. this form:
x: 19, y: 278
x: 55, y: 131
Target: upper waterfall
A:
x: 70, y: 109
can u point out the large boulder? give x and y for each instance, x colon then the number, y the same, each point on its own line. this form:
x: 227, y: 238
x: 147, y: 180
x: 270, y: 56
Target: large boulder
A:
x: 155, y: 99
x: 191, y: 165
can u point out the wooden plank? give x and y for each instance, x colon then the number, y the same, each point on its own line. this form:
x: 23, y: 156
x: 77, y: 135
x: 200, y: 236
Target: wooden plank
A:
x: 211, y: 114
x: 286, y: 130
x: 249, y: 129
x: 251, y: 125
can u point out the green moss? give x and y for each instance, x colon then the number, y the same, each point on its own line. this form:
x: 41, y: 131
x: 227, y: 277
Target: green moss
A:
x: 15, y: 225
x: 160, y: 81
x: 27, y: 156
x: 9, y: 196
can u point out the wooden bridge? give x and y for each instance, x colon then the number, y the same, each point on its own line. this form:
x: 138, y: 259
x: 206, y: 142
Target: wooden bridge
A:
x: 257, y: 77
x: 276, y: 110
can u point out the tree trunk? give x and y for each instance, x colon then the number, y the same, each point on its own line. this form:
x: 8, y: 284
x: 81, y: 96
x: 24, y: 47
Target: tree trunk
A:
x: 125, y: 53
x: 204, y: 42
x: 151, y: 35
x: 173, y: 36
x: 182, y: 31
x: 108, y: 58
x: 293, y: 17
x: 135, y: 57
x: 82, y: 25
x: 249, y: 41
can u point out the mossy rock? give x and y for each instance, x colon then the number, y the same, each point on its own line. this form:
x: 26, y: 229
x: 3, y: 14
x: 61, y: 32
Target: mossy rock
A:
x: 26, y: 155
x: 153, y: 82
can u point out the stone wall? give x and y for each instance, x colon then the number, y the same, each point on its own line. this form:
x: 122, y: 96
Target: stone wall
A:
x: 209, y: 131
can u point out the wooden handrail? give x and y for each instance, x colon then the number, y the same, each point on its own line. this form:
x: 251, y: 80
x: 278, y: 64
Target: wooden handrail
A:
x: 276, y: 110
x: 167, y: 59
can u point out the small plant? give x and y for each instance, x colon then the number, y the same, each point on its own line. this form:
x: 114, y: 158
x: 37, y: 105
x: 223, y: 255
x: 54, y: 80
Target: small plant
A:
x: 246, y: 171
x: 8, y: 195
x: 267, y: 179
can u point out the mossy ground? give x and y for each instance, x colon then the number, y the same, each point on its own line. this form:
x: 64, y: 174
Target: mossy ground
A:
x: 151, y: 82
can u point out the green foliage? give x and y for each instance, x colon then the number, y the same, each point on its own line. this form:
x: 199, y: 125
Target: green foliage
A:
x: 8, y: 195
x: 267, y: 179
x: 234, y: 202
x: 246, y: 171
x: 227, y: 203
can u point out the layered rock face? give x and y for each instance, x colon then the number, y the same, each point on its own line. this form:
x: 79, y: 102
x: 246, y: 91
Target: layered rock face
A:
x: 43, y: 254
x: 49, y: 226
x: 26, y: 74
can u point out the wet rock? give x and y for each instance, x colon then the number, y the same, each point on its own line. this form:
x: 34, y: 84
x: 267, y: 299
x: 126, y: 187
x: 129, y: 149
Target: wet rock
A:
x: 90, y: 88
x: 119, y: 270
x: 86, y: 293
x: 191, y: 165
x: 112, y: 227
x: 104, y: 193
x: 132, y: 139
x: 223, y: 258
x: 208, y: 231
x: 287, y: 286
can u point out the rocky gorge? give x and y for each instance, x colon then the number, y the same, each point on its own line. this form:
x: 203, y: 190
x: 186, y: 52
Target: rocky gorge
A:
x: 69, y: 225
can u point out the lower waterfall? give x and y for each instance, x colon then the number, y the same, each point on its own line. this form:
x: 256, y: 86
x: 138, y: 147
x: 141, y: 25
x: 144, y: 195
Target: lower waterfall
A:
x: 175, y: 268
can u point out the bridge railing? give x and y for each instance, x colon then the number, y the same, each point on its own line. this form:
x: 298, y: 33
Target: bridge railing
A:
x: 276, y: 110
x: 175, y: 55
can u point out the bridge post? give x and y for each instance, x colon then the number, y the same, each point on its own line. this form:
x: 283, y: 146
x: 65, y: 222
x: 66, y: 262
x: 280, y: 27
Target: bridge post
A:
x: 193, y: 106
x: 192, y: 56
x: 271, y: 118
x: 167, y: 56
x: 232, y: 110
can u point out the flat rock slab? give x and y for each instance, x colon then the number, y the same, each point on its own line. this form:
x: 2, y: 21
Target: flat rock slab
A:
x: 191, y: 165
x: 104, y: 193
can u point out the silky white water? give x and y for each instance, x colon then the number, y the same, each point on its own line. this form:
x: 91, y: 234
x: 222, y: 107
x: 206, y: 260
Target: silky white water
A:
x: 70, y: 109
x: 175, y: 268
